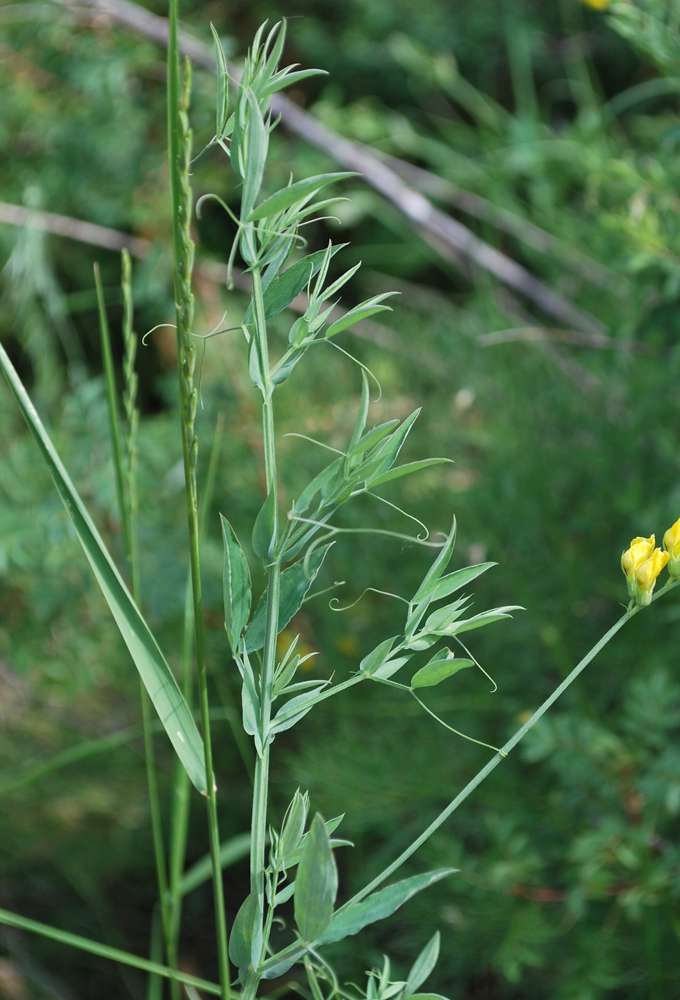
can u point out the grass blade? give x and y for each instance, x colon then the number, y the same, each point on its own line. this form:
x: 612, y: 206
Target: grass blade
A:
x: 104, y: 951
x: 147, y: 656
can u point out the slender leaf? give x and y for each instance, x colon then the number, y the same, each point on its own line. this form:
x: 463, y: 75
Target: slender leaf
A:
x: 104, y: 951
x: 294, y: 710
x: 423, y: 965
x: 440, y: 619
x: 288, y: 196
x: 452, y: 582
x: 295, y: 582
x: 265, y: 527
x: 316, y: 883
x: 482, y: 619
x: 385, y: 457
x: 245, y: 939
x: 278, y: 82
x: 406, y: 470
x: 379, y: 905
x: 365, y: 309
x: 377, y: 656
x: 222, y: 101
x: 427, y: 587
x: 156, y: 675
x: 255, y: 154
x: 236, y: 585
x: 390, y: 667
x: 278, y: 964
x: 442, y: 665
x: 283, y: 289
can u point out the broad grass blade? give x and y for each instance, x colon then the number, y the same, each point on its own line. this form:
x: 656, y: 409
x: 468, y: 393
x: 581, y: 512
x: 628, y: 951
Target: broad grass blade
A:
x: 156, y: 675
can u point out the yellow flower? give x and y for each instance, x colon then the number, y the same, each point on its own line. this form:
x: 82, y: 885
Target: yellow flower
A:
x: 646, y: 575
x: 596, y: 4
x: 631, y: 560
x: 671, y: 543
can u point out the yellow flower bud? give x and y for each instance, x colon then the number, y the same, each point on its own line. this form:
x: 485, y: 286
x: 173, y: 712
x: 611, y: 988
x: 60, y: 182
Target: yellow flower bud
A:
x: 631, y: 560
x: 596, y: 4
x: 671, y: 543
x: 646, y: 575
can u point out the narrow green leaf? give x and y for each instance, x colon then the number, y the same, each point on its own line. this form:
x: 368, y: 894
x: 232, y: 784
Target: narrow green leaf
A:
x: 377, y: 656
x: 372, y: 437
x: 249, y: 698
x: 362, y: 415
x: 255, y: 364
x: 320, y: 481
x: 256, y: 141
x: 452, y: 582
x: 279, y: 82
x: 406, y: 470
x: 222, y: 101
x: 379, y: 905
x: 285, y: 960
x: 390, y: 667
x: 236, y: 585
x: 288, y: 196
x: 156, y: 675
x: 443, y: 617
x: 386, y: 455
x: 442, y: 665
x: 339, y: 283
x: 283, y: 289
x: 423, y: 965
x: 316, y: 883
x: 293, y: 826
x: 365, y: 309
x: 264, y: 529
x: 282, y: 370
x: 427, y: 587
x: 104, y: 951
x: 245, y: 943
x: 295, y: 582
x: 485, y: 618
x: 295, y: 710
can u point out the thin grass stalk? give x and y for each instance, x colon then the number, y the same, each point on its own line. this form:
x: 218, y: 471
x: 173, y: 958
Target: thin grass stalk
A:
x: 112, y: 403
x: 181, y: 798
x: 130, y: 379
x: 183, y: 252
x: 126, y: 489
x: 104, y: 951
x: 130, y: 386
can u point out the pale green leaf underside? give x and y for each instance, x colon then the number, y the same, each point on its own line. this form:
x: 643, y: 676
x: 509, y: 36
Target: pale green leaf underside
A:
x: 156, y: 675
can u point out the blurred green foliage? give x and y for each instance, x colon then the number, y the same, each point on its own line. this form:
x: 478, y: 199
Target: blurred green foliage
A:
x: 566, y: 446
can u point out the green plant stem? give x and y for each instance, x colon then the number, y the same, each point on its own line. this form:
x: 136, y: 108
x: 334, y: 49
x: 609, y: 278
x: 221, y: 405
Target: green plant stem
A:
x: 181, y: 801
x: 126, y: 493
x: 179, y: 155
x: 261, y: 777
x: 112, y: 402
x: 494, y: 762
x: 104, y: 951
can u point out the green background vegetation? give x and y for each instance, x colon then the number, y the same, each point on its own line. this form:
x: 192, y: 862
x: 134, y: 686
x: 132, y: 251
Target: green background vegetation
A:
x: 566, y: 444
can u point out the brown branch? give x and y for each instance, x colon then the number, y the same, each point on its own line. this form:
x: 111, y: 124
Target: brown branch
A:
x: 447, y: 235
